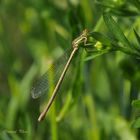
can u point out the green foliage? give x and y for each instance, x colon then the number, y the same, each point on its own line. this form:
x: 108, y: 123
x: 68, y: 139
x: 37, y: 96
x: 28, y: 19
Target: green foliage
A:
x: 115, y: 30
x: 136, y: 103
x: 98, y: 98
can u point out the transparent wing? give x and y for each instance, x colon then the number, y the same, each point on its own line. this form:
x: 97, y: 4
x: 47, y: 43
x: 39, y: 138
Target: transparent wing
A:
x: 51, y: 76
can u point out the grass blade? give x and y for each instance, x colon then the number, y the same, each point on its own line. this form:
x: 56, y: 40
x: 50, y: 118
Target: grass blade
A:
x: 137, y: 36
x: 137, y: 4
x: 115, y: 29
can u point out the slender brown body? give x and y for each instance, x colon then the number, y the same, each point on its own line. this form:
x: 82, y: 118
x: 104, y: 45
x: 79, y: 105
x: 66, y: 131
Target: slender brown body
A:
x: 75, y: 45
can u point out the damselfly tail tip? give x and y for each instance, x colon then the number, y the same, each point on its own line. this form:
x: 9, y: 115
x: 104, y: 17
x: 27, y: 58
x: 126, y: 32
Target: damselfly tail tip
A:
x: 41, y: 117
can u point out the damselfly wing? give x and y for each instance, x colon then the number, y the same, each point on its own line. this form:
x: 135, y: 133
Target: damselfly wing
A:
x: 42, y: 85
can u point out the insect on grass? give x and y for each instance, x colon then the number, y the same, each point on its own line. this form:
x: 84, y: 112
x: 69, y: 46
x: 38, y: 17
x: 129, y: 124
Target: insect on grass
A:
x: 41, y: 85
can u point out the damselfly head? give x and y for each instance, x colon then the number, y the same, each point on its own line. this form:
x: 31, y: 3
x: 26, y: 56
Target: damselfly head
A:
x: 80, y: 39
x: 85, y: 32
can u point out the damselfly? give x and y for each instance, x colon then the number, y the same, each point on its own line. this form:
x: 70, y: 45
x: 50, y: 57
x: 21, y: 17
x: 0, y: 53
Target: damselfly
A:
x: 41, y: 86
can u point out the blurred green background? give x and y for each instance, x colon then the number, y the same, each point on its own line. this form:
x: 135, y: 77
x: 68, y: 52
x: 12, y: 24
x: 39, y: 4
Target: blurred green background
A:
x: 97, y: 104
